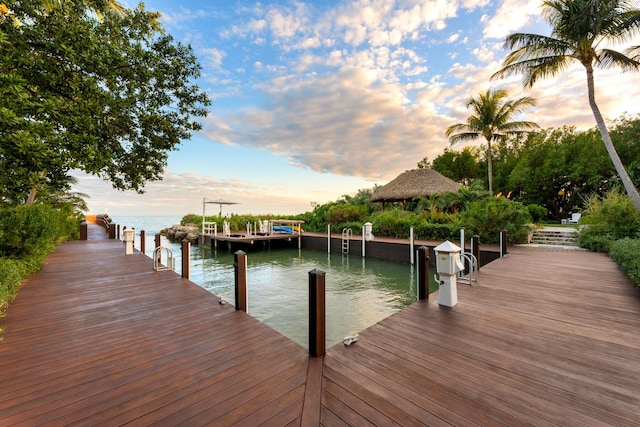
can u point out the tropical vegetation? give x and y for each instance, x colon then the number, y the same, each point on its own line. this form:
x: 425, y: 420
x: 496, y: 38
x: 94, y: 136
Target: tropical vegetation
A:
x: 87, y: 89
x: 493, y: 121
x: 84, y: 85
x: 581, y: 31
x: 28, y: 233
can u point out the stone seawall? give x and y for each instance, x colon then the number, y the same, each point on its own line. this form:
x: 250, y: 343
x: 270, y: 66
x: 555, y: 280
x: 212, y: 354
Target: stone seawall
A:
x: 178, y: 233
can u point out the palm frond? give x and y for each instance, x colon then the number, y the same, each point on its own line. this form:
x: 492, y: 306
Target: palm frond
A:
x: 633, y: 52
x: 607, y: 58
x: 534, y: 69
x: 464, y: 137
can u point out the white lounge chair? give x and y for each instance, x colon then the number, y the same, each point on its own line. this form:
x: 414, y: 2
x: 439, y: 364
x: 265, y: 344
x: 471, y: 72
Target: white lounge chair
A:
x: 575, y: 218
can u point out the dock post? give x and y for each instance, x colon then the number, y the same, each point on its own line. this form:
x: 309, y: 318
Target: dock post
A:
x: 84, y: 229
x: 328, y: 238
x: 118, y: 228
x: 111, y: 230
x: 503, y: 243
x: 363, y: 243
x: 317, y: 317
x: 475, y: 248
x: 157, y: 242
x: 423, y: 272
x: 186, y: 257
x: 143, y: 242
x: 411, y: 243
x: 240, y: 270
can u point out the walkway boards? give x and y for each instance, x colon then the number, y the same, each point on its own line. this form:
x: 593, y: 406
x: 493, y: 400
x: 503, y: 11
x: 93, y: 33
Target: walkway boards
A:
x: 547, y: 337
x: 99, y: 338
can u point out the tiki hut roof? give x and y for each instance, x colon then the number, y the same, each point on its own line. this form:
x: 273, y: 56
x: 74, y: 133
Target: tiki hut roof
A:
x: 414, y: 183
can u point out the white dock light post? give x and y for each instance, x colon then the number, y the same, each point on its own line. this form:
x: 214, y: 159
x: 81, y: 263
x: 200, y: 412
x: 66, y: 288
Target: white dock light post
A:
x: 448, y: 264
x: 129, y: 237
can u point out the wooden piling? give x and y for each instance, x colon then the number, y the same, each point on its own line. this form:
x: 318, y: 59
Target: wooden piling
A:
x: 84, y: 230
x: 186, y: 257
x: 423, y: 272
x: 317, y: 316
x: 143, y: 242
x: 240, y: 270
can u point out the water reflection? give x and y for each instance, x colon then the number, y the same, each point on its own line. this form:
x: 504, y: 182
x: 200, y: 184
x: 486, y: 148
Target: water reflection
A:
x: 359, y: 292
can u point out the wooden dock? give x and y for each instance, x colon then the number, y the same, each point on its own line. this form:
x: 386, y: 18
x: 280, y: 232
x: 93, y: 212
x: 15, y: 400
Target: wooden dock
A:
x: 546, y: 337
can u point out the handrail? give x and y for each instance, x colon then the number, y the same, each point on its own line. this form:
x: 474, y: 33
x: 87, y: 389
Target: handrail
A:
x: 472, y: 262
x: 157, y: 259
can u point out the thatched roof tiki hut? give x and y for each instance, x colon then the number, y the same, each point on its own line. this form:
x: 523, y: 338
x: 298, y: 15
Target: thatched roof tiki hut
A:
x: 412, y: 184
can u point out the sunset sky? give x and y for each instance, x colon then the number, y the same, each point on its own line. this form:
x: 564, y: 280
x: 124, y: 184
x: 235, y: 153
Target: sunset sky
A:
x: 316, y: 99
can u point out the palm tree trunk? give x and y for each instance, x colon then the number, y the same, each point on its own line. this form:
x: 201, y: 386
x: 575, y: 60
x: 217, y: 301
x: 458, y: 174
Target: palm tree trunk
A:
x: 613, y: 154
x: 490, y: 165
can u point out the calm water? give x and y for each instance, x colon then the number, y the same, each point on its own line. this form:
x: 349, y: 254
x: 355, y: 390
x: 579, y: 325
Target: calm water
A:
x: 359, y: 292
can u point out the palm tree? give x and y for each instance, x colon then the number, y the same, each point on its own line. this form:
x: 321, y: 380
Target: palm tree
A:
x: 579, y: 29
x: 492, y: 121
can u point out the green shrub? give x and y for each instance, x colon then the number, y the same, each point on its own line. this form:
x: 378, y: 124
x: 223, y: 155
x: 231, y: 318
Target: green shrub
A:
x: 596, y: 238
x: 429, y: 231
x: 487, y: 218
x: 393, y: 223
x: 537, y: 212
x: 345, y: 213
x: 11, y: 274
x: 27, y: 234
x: 625, y: 253
x: 609, y: 218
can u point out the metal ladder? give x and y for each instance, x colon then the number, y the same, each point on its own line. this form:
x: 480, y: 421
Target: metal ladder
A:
x: 346, y: 234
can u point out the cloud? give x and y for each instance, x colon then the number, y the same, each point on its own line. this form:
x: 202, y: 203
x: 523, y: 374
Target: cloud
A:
x: 347, y: 123
x: 511, y: 16
x: 213, y: 57
x: 182, y: 193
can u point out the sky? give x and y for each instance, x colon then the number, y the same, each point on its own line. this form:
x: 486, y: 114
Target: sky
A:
x: 313, y: 100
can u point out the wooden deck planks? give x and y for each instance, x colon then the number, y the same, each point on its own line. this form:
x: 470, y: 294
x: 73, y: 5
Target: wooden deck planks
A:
x: 540, y: 340
x: 99, y: 338
x: 546, y: 337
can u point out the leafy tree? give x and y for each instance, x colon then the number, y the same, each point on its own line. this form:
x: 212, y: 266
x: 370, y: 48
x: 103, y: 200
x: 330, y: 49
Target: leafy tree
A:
x: 579, y: 28
x: 461, y: 166
x: 424, y: 163
x: 80, y: 88
x: 492, y: 120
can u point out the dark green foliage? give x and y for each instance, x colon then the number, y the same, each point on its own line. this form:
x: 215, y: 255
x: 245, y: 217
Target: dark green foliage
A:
x: 487, y: 218
x: 342, y: 213
x: 393, y: 223
x: 28, y: 231
x: 626, y: 252
x: 11, y: 275
x: 430, y: 231
x: 461, y: 166
x: 537, y: 212
x: 110, y: 96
